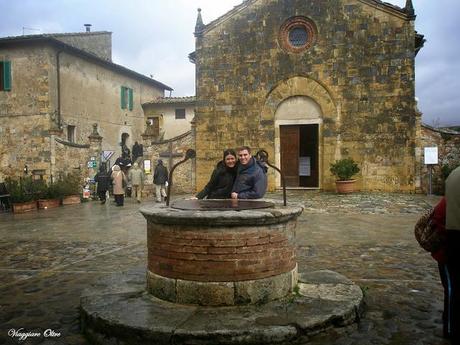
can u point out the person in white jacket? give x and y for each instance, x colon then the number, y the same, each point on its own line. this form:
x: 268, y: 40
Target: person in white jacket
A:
x: 136, y: 177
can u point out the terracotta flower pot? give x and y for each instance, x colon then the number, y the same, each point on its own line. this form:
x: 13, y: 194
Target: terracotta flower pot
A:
x: 44, y: 204
x: 23, y: 207
x: 345, y: 187
x: 71, y: 200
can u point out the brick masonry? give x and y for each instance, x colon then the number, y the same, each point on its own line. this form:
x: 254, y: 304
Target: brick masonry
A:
x: 219, y: 255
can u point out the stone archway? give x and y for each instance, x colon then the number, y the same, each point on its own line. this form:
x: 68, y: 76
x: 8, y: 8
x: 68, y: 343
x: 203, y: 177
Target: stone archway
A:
x: 282, y: 108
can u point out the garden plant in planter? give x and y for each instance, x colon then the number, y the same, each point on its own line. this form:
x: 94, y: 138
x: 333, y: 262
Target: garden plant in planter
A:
x: 344, y: 169
x: 22, y: 194
x: 50, y: 196
x: 70, y: 187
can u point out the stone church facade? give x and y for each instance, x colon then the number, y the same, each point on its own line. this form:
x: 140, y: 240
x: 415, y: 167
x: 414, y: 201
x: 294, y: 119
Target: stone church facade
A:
x: 311, y: 82
x: 65, y: 102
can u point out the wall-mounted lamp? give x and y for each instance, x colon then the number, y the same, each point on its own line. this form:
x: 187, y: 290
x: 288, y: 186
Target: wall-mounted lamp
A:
x: 26, y: 169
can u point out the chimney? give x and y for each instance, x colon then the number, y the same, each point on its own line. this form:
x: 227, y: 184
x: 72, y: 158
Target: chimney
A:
x: 88, y: 27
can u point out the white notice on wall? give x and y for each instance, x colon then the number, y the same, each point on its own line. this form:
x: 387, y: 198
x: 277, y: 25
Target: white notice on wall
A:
x: 147, y: 166
x: 304, y: 166
x: 431, y: 155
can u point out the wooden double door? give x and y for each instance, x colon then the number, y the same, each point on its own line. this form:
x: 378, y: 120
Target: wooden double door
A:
x: 299, y: 155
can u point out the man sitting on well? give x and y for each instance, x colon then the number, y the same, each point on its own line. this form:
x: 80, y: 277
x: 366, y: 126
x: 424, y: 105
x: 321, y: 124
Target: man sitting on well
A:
x: 251, y: 178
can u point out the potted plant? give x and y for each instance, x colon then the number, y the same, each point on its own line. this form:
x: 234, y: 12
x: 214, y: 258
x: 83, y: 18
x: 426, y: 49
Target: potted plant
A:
x: 22, y: 195
x: 50, y: 196
x: 70, y: 187
x: 344, y: 169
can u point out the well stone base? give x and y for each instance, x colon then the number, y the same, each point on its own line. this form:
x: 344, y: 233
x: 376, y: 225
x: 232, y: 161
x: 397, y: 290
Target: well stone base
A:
x: 222, y: 293
x: 118, y: 310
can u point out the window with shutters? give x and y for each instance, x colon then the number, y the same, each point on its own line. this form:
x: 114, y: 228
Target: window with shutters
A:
x: 127, y: 95
x: 5, y: 75
x: 180, y: 114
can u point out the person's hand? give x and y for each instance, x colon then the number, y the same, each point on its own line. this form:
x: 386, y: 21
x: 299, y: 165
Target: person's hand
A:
x: 234, y: 195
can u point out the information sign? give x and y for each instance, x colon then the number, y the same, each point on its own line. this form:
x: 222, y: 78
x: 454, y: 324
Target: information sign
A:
x: 431, y: 155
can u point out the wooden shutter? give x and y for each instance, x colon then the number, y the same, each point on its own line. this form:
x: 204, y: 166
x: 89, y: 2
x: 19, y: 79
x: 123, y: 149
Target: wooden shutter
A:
x: 7, y: 75
x: 130, y: 99
x: 122, y: 97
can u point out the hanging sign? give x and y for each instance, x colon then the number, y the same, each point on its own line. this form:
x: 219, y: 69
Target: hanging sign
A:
x: 106, y: 155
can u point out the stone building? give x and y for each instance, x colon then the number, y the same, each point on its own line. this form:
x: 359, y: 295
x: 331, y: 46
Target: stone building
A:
x: 311, y: 82
x: 447, y: 142
x: 63, y: 101
x: 170, y: 116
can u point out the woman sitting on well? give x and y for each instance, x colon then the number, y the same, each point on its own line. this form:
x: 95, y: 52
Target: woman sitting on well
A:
x: 221, y: 182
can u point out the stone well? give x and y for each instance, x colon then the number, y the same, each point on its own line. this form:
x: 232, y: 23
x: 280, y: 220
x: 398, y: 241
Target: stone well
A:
x: 221, y: 257
x: 218, y: 276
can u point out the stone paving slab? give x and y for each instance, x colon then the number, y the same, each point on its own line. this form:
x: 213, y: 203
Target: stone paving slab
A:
x: 403, y: 295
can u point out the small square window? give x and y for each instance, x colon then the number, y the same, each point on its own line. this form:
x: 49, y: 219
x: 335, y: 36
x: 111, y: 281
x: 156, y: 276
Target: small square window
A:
x: 180, y: 114
x: 71, y: 134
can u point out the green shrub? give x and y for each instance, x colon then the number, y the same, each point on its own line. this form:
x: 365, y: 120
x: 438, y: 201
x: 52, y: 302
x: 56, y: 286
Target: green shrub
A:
x: 446, y: 169
x: 70, y: 184
x: 22, y: 190
x: 344, y: 169
x: 51, y: 191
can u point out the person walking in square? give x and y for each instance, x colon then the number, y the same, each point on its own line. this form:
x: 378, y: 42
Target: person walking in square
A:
x: 136, y: 177
x: 119, y: 185
x: 103, y: 181
x: 160, y: 179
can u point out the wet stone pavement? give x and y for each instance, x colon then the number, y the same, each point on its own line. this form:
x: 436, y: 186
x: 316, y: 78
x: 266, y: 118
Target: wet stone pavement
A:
x: 48, y: 257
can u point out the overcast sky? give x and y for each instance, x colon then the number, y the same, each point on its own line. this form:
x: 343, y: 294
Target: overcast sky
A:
x: 154, y: 37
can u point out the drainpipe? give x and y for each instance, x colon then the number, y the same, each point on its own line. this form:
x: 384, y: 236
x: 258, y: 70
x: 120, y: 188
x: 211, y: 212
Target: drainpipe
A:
x: 56, y: 131
x: 58, y: 75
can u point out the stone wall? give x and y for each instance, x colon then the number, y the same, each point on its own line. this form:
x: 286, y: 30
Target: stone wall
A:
x: 97, y: 43
x: 89, y: 94
x: 359, y: 70
x: 25, y: 113
x: 184, y: 174
x: 448, y: 144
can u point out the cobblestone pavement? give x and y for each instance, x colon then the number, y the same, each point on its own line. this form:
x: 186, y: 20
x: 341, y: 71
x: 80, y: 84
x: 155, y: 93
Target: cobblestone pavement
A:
x: 48, y: 257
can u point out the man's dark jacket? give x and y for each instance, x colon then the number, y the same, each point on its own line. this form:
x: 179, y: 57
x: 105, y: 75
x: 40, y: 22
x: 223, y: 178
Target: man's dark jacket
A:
x: 251, y: 180
x: 160, y: 176
x: 220, y: 184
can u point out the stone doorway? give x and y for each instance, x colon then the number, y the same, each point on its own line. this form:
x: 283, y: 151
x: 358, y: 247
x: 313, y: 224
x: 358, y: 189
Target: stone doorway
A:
x: 299, y: 147
x: 298, y: 122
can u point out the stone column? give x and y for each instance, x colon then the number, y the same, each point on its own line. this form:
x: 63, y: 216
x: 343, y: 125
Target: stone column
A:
x: 193, y: 161
x: 147, y: 137
x: 95, y: 149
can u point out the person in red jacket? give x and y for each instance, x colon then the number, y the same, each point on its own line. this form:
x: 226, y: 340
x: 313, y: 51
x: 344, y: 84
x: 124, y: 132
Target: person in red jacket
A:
x: 438, y: 221
x: 453, y: 253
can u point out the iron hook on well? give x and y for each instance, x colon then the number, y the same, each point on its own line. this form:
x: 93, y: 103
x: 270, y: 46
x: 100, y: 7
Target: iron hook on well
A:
x: 262, y: 156
x: 190, y: 153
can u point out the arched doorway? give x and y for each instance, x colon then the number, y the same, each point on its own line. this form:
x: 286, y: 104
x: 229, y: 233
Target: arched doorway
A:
x: 297, y: 149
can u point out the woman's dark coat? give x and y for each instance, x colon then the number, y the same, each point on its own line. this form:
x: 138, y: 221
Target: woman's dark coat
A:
x: 220, y: 184
x: 103, y: 180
